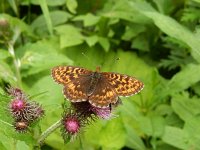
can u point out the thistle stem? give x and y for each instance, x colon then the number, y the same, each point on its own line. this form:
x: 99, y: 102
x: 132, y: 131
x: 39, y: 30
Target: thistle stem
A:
x: 16, y: 64
x: 46, y: 133
x: 16, y: 61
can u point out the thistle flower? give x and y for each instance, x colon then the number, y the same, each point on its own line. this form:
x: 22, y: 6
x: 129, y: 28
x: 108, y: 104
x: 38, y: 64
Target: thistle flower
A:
x: 104, y: 113
x: 18, y: 104
x: 17, y: 107
x: 86, y: 110
x: 34, y: 111
x: 23, y: 111
x: 71, y: 125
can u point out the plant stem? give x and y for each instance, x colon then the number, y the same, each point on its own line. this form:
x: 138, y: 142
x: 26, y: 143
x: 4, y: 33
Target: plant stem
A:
x: 16, y: 61
x: 16, y: 64
x: 46, y: 133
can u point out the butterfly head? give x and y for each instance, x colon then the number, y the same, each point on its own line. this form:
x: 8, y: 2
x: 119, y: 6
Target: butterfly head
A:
x: 98, y: 68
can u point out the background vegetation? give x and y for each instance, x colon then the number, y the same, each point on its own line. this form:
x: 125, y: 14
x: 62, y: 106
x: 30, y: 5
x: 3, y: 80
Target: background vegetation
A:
x: 157, y: 41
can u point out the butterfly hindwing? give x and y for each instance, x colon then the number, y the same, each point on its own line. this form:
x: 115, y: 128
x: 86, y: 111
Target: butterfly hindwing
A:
x: 103, y: 95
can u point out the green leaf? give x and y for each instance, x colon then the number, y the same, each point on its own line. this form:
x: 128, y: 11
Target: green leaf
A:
x: 57, y: 17
x: 132, y: 31
x: 4, y: 103
x: 190, y: 14
x: 10, y: 134
x: 112, y: 135
x: 140, y: 43
x: 187, y: 138
x: 88, y: 19
x: 69, y: 36
x: 4, y: 54
x: 13, y: 4
x: 45, y: 10
x: 92, y: 133
x: 6, y: 142
x: 2, y: 147
x: 152, y: 125
x: 55, y: 3
x: 123, y: 10
x: 130, y: 111
x: 176, y: 137
x: 198, y: 1
x: 104, y: 42
x: 72, y: 5
x: 51, y: 101
x: 170, y: 26
x: 132, y: 138
x: 92, y: 40
x: 41, y: 56
x: 185, y: 107
x: 165, y: 6
x: 47, y: 84
x: 22, y: 145
x: 6, y: 73
x: 180, y: 81
x: 193, y: 130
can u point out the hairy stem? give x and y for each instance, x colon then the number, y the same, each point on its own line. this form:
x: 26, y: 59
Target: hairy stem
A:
x: 16, y: 61
x: 46, y: 133
x: 16, y: 64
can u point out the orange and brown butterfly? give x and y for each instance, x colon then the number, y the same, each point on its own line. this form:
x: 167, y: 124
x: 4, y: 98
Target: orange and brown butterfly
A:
x: 99, y: 88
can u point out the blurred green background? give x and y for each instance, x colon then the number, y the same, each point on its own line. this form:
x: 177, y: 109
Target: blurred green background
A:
x: 156, y: 41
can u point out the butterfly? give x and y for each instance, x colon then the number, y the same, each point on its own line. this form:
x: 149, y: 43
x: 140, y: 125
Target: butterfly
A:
x: 100, y: 89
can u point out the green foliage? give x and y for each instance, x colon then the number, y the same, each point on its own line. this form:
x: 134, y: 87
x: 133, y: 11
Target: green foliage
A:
x: 156, y: 41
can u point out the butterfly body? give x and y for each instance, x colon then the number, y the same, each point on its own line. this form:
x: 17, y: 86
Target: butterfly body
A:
x: 99, y: 88
x: 93, y: 83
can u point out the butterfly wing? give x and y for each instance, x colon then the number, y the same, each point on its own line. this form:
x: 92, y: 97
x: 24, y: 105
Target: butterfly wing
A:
x: 123, y: 85
x: 74, y: 80
x: 66, y: 74
x: 103, y: 95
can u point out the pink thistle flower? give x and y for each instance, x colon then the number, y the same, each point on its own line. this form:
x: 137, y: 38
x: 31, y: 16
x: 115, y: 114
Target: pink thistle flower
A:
x: 86, y: 110
x: 34, y: 111
x: 17, y: 107
x: 23, y: 111
x: 17, y: 104
x: 71, y: 125
x: 104, y: 113
x: 79, y: 115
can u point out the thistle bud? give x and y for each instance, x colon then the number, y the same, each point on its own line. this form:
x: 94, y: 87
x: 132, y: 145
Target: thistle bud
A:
x: 21, y: 126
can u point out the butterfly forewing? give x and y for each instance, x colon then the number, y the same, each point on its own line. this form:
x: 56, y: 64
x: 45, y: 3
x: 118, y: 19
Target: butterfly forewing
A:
x: 66, y: 74
x: 74, y: 80
x: 76, y: 90
x: 123, y: 85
